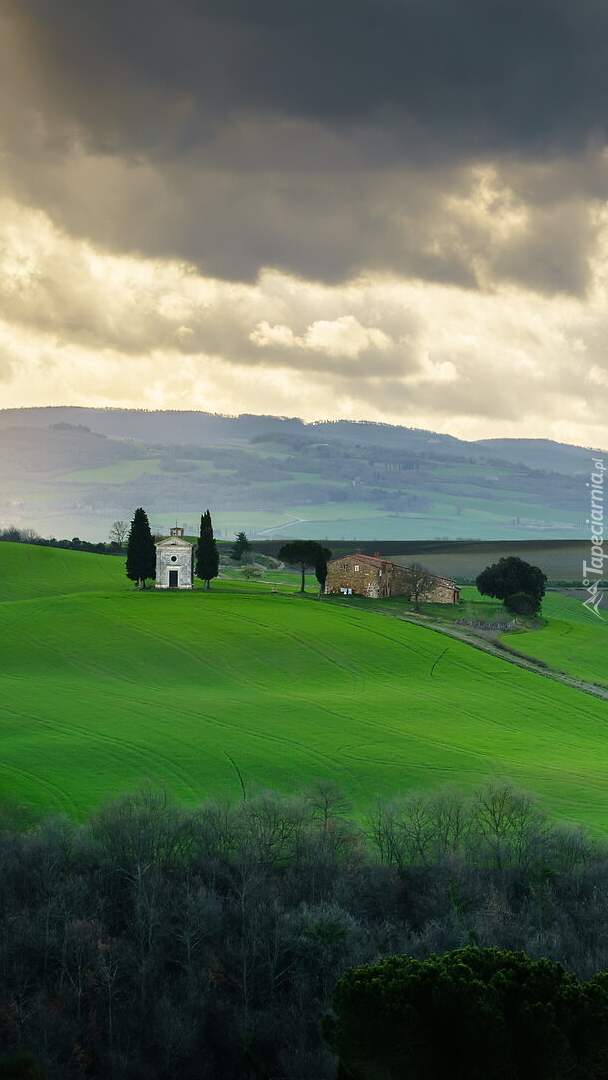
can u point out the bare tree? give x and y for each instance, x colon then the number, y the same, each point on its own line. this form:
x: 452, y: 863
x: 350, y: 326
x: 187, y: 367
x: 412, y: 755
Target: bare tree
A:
x: 507, y: 824
x: 118, y: 533
x: 419, y: 583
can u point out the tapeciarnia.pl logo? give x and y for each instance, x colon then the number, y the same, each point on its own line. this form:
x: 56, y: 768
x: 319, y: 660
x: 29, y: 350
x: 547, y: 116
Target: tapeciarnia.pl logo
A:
x: 596, y: 522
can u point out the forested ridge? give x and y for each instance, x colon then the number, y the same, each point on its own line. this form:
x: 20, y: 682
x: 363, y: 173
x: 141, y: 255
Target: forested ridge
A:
x: 158, y: 941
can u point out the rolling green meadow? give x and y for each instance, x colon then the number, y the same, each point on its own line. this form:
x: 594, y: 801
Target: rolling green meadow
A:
x: 104, y: 686
x: 574, y: 641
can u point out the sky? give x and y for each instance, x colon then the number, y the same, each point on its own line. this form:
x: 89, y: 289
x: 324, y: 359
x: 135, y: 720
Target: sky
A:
x: 390, y: 210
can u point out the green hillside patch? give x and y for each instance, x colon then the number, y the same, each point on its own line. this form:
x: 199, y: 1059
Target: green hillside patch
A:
x: 28, y: 571
x: 100, y: 690
x: 574, y: 640
x: 129, y: 469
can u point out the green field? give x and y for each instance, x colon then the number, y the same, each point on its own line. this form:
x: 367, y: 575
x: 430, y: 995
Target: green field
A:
x: 104, y: 686
x: 574, y: 641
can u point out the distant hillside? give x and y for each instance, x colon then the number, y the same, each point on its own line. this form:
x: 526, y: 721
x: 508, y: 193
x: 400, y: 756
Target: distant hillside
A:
x: 209, y: 429
x: 72, y: 471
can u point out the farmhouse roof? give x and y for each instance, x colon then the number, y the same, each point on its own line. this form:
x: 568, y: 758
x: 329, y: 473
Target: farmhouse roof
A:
x: 377, y: 560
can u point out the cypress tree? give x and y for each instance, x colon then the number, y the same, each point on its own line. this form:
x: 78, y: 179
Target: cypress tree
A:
x: 240, y: 546
x: 207, y: 558
x: 323, y: 555
x: 141, y: 552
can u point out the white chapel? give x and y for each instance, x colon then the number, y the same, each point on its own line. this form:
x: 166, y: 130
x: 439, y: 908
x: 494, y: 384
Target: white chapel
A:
x: 174, y: 561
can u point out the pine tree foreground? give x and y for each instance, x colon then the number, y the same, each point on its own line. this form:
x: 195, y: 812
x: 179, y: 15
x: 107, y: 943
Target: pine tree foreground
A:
x: 471, y: 1014
x: 207, y: 557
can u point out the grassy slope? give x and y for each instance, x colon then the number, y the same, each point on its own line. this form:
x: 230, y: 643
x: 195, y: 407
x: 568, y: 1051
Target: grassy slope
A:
x: 28, y: 572
x: 574, y: 639
x: 102, y: 689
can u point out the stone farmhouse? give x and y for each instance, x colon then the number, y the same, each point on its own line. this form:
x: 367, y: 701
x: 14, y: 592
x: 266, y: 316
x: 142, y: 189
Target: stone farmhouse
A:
x: 370, y: 575
x: 174, y: 561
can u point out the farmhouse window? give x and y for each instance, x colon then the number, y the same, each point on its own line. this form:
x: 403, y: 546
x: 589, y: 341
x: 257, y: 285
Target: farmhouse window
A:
x: 356, y: 566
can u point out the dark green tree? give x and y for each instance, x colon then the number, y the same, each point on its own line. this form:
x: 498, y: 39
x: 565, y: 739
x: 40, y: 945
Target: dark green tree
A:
x: 510, y: 576
x: 240, y: 546
x: 207, y: 557
x: 20, y: 1066
x: 521, y: 603
x: 472, y: 1014
x: 141, y: 552
x: 301, y: 553
x: 323, y: 556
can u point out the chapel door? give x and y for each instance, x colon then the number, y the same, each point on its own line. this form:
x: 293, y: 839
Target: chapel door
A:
x: 173, y: 579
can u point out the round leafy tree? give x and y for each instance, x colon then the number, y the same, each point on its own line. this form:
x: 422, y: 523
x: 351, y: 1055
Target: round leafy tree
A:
x: 511, y: 576
x: 472, y: 1014
x: 305, y: 554
x: 522, y: 603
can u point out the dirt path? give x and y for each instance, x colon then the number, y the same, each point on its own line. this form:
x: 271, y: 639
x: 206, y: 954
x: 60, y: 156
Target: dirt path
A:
x: 487, y: 642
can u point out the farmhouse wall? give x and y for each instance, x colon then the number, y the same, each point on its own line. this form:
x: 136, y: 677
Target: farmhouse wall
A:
x: 376, y: 577
x: 358, y: 574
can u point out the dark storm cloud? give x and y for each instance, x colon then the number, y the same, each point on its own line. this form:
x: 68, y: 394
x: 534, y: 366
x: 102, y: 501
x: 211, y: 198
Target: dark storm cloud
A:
x: 318, y: 137
x: 445, y: 76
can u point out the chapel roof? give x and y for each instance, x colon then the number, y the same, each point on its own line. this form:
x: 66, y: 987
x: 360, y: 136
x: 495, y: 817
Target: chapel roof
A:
x: 174, y: 541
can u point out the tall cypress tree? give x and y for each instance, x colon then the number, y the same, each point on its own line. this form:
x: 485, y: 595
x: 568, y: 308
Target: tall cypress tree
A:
x: 141, y: 552
x: 323, y: 555
x: 207, y: 558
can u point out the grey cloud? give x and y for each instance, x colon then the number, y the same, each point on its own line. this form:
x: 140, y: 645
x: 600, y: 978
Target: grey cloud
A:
x: 229, y: 224
x: 553, y: 254
x: 316, y: 136
x: 61, y: 290
x: 444, y: 75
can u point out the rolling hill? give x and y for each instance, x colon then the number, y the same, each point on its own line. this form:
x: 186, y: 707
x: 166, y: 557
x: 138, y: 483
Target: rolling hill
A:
x: 72, y: 472
x: 104, y: 686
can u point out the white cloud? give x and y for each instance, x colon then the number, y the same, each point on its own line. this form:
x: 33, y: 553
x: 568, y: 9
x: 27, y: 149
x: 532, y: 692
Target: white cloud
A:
x: 343, y: 336
x: 81, y: 326
x: 265, y: 334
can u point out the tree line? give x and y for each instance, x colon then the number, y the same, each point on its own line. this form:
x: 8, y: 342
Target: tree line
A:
x: 16, y: 535
x: 156, y: 940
